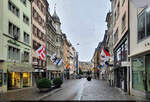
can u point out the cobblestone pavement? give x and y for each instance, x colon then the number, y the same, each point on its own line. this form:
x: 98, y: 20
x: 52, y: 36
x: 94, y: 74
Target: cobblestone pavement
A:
x: 99, y: 90
x: 89, y: 90
x: 31, y: 93
x: 79, y: 89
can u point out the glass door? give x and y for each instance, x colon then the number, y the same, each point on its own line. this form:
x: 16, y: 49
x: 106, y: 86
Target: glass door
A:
x: 147, y: 65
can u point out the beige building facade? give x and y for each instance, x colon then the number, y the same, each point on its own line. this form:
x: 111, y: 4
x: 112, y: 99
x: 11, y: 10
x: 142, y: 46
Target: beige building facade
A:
x: 139, y: 50
x: 120, y: 38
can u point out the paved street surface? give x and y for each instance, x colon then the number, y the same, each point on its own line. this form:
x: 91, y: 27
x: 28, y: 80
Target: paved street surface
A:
x: 79, y: 89
x: 88, y: 90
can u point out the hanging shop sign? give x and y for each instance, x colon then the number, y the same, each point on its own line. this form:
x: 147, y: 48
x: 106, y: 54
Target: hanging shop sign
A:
x: 125, y: 64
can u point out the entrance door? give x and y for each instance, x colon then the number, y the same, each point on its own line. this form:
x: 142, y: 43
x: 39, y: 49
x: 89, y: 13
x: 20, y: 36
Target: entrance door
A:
x: 125, y: 79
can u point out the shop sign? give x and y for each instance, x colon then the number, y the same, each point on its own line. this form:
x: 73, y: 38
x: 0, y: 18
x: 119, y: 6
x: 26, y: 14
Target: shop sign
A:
x: 125, y: 64
x: 39, y: 70
x: 13, y: 42
x: 35, y: 63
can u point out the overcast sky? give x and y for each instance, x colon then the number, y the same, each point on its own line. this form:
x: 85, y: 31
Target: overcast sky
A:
x: 83, y: 21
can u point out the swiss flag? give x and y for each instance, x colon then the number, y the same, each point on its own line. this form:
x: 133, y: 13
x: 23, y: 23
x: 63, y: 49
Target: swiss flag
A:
x: 41, y: 52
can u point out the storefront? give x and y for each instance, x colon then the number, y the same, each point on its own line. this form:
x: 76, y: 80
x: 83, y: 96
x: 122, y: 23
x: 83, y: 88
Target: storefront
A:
x: 1, y: 81
x: 141, y: 73
x: 120, y: 70
x: 19, y: 80
x: 19, y: 76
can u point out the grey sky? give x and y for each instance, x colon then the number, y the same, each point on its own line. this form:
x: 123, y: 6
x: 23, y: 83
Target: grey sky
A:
x: 83, y: 21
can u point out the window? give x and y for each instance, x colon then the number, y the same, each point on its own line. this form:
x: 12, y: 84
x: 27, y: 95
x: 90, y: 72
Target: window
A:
x: 10, y: 28
x: 13, y: 53
x: 141, y: 26
x: 123, y: 1
x: 25, y: 19
x: 118, y: 9
x: 13, y: 30
x: 13, y: 8
x: 23, y: 1
x: 123, y: 22
x: 40, y: 20
x: 34, y: 13
x: 35, y: 45
x: 116, y: 36
x: 115, y: 18
x: 26, y: 38
x: 144, y: 24
x: 26, y: 56
x: 115, y: 1
x: 148, y: 21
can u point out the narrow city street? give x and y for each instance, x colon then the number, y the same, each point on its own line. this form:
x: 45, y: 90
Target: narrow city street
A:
x: 82, y: 89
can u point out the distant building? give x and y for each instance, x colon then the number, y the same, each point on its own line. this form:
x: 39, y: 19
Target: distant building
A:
x: 84, y: 66
x: 59, y: 70
x: 69, y: 58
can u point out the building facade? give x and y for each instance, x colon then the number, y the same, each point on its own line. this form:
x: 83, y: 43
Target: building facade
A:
x: 38, y: 36
x: 121, y: 33
x: 52, y: 70
x: 59, y: 44
x: 139, y: 50
x: 15, y: 42
x: 70, y: 59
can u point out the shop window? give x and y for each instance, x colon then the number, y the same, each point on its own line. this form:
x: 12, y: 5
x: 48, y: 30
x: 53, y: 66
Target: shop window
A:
x: 15, y: 80
x: 26, y: 79
x: 147, y: 67
x: 138, y: 74
x: 1, y: 81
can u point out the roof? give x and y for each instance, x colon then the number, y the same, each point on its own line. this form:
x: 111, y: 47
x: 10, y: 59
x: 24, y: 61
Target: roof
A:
x: 55, y: 17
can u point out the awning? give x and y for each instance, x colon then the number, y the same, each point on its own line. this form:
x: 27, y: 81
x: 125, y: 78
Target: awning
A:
x: 20, y: 68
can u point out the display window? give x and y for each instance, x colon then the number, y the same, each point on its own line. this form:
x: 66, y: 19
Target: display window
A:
x: 26, y: 79
x: 16, y: 80
x: 1, y: 81
x: 138, y: 74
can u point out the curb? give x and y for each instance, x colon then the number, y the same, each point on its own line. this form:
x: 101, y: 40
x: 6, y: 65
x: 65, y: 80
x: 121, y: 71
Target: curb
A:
x: 50, y: 93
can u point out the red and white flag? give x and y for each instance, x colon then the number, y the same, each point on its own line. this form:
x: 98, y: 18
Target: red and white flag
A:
x: 41, y: 52
x: 104, y: 55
